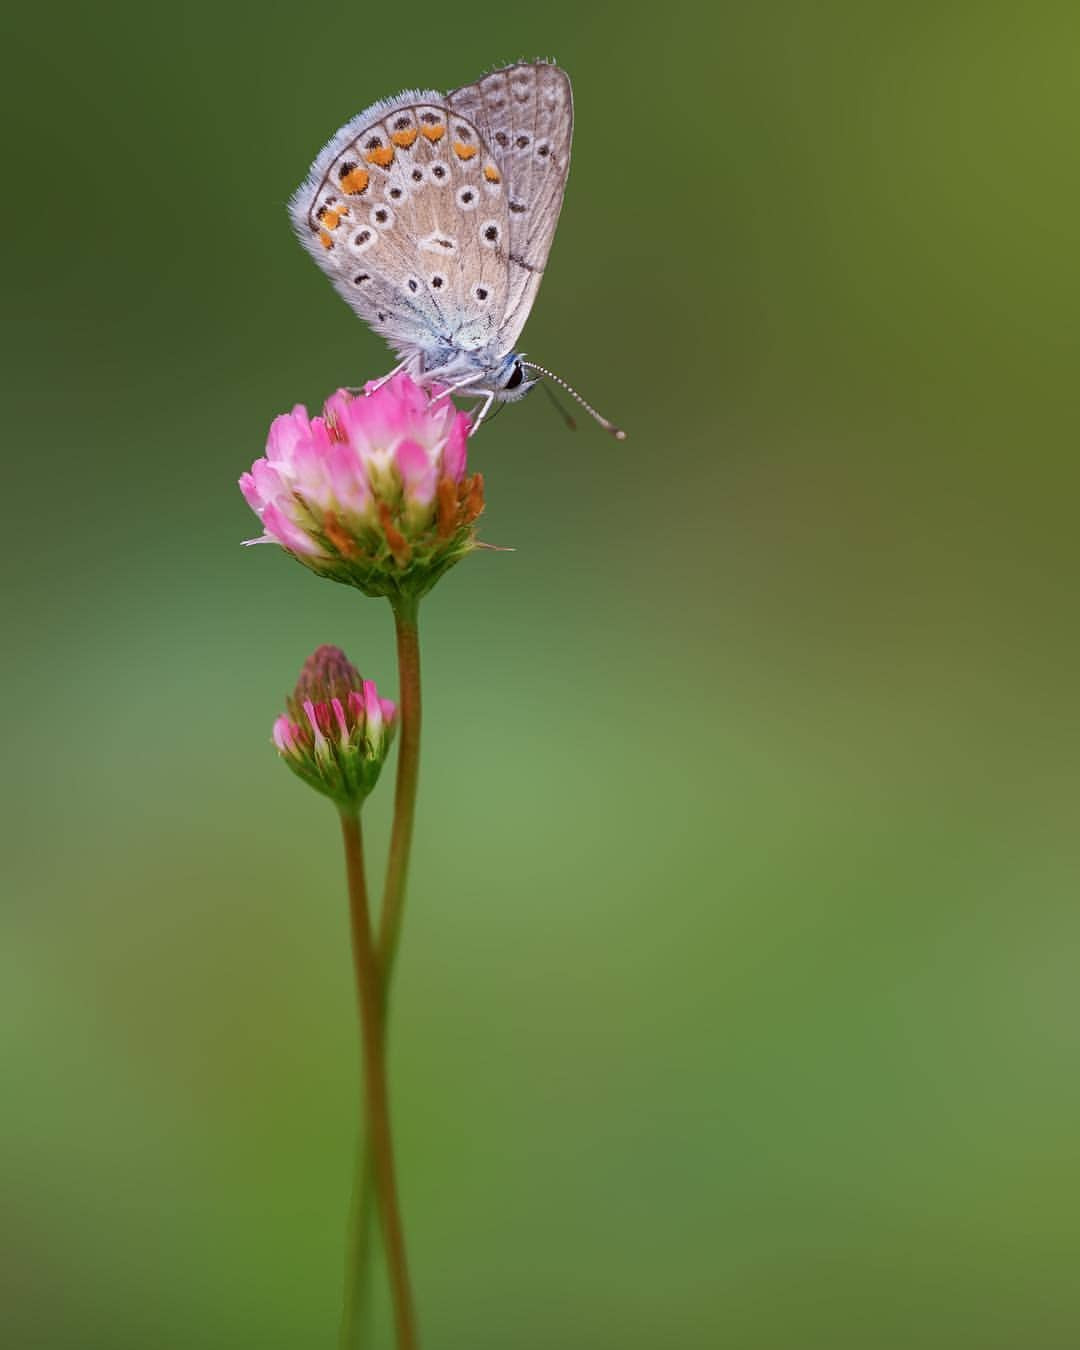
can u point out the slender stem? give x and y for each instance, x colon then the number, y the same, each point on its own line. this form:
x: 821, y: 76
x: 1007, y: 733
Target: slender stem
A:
x: 361, y: 1225
x: 408, y: 774
x: 359, y: 1251
x: 376, y: 1095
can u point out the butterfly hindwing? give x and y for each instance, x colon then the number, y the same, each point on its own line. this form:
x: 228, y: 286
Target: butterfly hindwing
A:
x: 526, y: 114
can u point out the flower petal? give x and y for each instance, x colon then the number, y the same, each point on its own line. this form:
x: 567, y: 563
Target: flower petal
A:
x: 283, y: 735
x: 418, y: 472
x: 285, y: 432
x: 456, y: 451
x: 348, y: 477
x: 289, y: 534
x: 252, y: 495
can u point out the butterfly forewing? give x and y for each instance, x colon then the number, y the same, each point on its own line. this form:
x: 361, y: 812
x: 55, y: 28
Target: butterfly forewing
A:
x: 526, y: 114
x: 406, y: 211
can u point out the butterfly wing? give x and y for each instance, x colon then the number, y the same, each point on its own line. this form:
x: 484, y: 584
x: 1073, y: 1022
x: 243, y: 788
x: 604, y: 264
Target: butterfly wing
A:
x: 525, y: 113
x: 406, y: 211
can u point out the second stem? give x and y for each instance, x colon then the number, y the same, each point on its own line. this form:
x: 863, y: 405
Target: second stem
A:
x: 358, y: 1264
x: 376, y: 1092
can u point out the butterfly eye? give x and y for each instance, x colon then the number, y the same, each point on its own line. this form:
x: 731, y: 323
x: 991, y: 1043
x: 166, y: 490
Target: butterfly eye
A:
x: 516, y: 376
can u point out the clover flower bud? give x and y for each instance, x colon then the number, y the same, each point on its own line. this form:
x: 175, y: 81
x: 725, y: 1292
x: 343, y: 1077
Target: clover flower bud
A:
x: 336, y: 731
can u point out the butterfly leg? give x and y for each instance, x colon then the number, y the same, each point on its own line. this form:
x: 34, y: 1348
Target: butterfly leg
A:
x: 351, y: 389
x: 461, y: 384
x: 489, y: 399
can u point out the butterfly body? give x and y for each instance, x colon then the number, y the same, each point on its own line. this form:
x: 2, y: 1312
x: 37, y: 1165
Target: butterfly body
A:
x: 433, y: 216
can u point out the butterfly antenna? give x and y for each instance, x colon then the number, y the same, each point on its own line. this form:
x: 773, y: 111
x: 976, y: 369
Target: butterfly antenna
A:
x: 617, y: 432
x: 571, y: 424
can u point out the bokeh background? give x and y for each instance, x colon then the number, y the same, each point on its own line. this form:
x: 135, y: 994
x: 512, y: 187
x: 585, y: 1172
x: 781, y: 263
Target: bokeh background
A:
x: 738, y: 997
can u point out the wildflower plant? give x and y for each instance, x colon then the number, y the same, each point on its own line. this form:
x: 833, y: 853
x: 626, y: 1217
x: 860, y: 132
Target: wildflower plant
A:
x: 375, y: 493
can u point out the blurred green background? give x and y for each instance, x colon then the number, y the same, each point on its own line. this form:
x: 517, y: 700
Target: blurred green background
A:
x: 738, y: 1002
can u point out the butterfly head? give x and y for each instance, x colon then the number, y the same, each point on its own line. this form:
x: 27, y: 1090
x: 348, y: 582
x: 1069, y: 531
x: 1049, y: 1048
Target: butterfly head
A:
x: 511, y: 380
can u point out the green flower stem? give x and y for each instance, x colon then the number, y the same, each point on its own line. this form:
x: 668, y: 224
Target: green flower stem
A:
x: 408, y: 774
x: 359, y: 1255
x: 356, y: 1327
x: 371, y: 1000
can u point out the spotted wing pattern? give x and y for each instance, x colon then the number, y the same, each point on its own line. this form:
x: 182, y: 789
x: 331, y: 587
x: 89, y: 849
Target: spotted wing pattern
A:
x: 525, y: 113
x: 406, y: 210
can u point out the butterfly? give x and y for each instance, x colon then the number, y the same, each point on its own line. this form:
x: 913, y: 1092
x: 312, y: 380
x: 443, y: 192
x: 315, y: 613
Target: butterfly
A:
x: 433, y: 216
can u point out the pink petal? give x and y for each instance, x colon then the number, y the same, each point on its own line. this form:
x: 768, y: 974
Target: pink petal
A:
x: 370, y: 423
x: 288, y: 534
x: 411, y: 398
x: 348, y: 477
x: 268, y: 482
x: 322, y: 745
x: 284, y: 433
x: 307, y: 460
x: 283, y: 735
x: 455, y: 453
x: 252, y: 495
x: 401, y: 391
x: 412, y: 459
x: 372, y: 709
x: 418, y: 472
x: 336, y: 412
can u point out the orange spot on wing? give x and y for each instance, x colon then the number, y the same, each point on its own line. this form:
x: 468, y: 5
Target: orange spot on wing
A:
x: 464, y: 151
x: 331, y: 220
x: 404, y: 138
x: 325, y: 239
x: 383, y: 156
x: 433, y: 133
x: 492, y: 174
x: 355, y: 182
